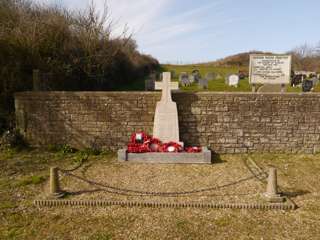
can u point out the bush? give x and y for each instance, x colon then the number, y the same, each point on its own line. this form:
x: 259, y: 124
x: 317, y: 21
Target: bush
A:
x: 73, y: 51
x: 12, y: 139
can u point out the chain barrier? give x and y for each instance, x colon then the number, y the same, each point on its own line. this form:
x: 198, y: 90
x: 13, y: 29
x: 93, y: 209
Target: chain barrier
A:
x: 152, y: 193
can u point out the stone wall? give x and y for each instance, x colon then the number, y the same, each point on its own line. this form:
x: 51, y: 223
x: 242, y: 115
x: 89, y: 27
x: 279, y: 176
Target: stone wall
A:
x: 226, y: 122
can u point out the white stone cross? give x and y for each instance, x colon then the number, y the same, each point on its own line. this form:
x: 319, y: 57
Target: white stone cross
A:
x: 166, y: 124
x: 173, y: 85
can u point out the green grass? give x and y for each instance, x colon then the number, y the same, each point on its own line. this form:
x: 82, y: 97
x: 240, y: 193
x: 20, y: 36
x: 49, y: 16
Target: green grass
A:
x: 218, y: 85
x: 204, y: 69
x: 31, y: 180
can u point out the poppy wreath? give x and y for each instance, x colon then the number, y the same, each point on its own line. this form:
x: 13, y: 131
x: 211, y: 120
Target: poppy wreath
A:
x: 193, y: 149
x: 139, y: 143
x: 171, y: 147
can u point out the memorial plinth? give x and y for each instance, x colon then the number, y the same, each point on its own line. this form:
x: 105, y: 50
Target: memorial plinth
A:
x: 204, y: 157
x: 166, y: 129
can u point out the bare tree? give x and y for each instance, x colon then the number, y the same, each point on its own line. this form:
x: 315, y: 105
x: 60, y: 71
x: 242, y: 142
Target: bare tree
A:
x: 306, y: 50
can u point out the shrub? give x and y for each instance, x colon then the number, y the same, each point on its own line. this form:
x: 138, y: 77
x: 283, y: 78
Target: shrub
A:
x: 12, y: 139
x: 72, y: 51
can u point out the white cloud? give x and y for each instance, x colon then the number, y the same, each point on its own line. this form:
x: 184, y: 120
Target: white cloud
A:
x: 158, y: 25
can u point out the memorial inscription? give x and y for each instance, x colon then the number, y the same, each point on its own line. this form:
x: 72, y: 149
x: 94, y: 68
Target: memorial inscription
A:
x: 270, y: 69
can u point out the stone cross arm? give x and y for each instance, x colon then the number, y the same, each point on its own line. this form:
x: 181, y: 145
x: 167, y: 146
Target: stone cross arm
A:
x: 173, y: 85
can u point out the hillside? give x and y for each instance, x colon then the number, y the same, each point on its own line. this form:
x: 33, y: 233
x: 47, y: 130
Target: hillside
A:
x: 241, y: 60
x: 238, y: 60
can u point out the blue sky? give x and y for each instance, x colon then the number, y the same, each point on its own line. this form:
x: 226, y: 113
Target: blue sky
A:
x: 188, y: 31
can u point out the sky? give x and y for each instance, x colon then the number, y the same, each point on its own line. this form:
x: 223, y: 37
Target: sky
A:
x: 192, y: 31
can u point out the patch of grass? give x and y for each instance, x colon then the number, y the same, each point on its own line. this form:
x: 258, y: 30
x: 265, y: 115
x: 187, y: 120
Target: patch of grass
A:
x: 7, y: 205
x: 91, y: 151
x: 66, y: 149
x: 317, y: 88
x: 223, y: 221
x: 31, y: 180
x: 293, y: 89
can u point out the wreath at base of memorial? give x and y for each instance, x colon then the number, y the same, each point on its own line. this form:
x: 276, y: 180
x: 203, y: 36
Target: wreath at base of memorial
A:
x: 141, y: 142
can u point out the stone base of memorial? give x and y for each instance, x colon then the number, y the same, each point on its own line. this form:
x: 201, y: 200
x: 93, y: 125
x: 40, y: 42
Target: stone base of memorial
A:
x: 203, y: 157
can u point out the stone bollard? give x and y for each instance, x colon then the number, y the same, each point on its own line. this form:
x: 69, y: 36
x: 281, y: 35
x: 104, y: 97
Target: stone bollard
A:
x: 55, y: 191
x: 272, y: 194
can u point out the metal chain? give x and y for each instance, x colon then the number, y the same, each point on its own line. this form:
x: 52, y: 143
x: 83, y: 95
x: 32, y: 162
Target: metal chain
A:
x: 157, y: 193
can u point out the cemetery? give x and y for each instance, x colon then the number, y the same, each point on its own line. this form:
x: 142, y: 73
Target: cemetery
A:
x: 171, y: 149
x: 100, y: 140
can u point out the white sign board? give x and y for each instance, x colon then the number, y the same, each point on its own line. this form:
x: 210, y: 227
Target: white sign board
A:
x: 270, y: 69
x: 233, y: 80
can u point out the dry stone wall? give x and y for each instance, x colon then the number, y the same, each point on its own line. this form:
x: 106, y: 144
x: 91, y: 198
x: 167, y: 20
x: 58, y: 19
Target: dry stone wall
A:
x: 226, y: 122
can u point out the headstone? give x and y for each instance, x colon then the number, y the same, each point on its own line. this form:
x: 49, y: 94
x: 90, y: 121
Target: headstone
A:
x: 173, y: 74
x: 210, y: 76
x: 270, y: 69
x: 150, y: 82
x: 315, y: 80
x: 307, y: 86
x: 233, y: 80
x: 184, y: 79
x: 242, y: 75
x: 191, y: 79
x: 203, y: 83
x: 297, y: 80
x: 197, y: 75
x: 166, y: 125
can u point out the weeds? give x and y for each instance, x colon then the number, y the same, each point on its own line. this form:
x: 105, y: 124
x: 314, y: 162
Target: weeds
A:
x: 32, y: 180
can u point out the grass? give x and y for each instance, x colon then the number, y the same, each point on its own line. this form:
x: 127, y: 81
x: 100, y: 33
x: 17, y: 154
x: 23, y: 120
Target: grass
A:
x: 31, y: 180
x: 218, y: 85
x: 298, y: 175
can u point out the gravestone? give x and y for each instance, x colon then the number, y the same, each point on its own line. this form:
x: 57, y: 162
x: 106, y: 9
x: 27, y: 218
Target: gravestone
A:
x: 233, y: 80
x: 196, y: 74
x: 150, y: 82
x: 184, y: 79
x: 204, y: 83
x: 315, y: 80
x: 166, y: 125
x: 191, y: 79
x: 307, y: 86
